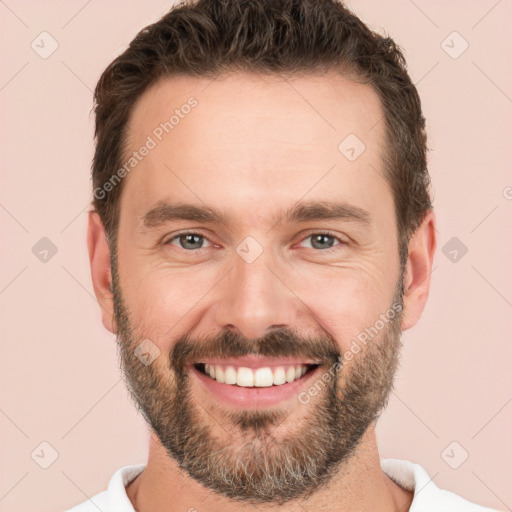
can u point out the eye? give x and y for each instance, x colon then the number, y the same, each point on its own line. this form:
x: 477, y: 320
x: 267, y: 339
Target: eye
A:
x: 189, y: 240
x: 192, y: 241
x: 324, y: 241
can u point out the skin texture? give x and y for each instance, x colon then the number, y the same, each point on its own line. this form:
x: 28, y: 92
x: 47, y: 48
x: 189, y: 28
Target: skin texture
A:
x: 254, y: 147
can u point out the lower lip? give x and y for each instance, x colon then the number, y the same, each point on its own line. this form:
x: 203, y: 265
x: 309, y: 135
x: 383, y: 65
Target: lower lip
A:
x: 240, y: 396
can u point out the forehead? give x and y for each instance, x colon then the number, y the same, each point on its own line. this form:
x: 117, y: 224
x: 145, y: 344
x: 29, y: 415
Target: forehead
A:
x: 249, y: 141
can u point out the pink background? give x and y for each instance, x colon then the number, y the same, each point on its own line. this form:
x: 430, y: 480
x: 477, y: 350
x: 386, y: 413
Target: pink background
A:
x: 59, y: 373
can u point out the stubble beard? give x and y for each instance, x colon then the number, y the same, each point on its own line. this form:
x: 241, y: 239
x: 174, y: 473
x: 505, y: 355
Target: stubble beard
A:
x: 260, y: 456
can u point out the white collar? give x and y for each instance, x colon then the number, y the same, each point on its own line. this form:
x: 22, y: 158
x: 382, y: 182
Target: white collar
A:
x: 410, y: 476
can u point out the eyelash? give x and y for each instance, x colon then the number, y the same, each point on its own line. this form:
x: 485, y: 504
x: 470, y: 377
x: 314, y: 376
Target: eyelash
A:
x: 326, y: 233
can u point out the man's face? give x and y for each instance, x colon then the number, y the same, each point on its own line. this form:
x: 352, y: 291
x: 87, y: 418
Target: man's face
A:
x: 303, y: 289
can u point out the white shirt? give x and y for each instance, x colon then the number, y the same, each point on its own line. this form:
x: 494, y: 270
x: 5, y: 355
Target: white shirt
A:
x: 427, y: 496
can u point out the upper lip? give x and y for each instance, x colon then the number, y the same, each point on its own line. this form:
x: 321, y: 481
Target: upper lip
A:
x: 255, y: 361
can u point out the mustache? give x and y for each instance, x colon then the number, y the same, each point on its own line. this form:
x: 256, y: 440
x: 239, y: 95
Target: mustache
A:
x: 281, y: 342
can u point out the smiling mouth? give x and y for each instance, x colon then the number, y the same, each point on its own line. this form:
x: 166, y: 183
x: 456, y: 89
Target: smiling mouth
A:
x: 264, y: 376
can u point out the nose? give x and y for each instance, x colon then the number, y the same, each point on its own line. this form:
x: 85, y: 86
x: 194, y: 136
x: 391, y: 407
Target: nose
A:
x: 255, y: 299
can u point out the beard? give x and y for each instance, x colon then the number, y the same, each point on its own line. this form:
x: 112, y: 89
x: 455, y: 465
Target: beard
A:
x: 254, y: 461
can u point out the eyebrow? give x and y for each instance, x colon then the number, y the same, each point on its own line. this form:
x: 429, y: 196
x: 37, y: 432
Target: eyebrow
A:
x: 163, y: 212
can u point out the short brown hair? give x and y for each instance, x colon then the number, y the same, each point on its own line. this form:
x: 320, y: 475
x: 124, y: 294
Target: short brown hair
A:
x: 208, y: 37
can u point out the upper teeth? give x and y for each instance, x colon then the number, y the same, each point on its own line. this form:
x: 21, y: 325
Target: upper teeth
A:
x: 261, y: 377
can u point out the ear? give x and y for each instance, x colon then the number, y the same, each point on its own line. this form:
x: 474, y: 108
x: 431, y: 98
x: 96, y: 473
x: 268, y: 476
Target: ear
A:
x: 422, y: 246
x: 99, y: 257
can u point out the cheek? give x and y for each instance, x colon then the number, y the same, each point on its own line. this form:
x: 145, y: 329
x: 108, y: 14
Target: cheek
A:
x: 345, y: 302
x: 165, y: 303
x: 157, y: 302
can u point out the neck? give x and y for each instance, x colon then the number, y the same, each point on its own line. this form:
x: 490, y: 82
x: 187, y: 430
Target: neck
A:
x: 360, y: 484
